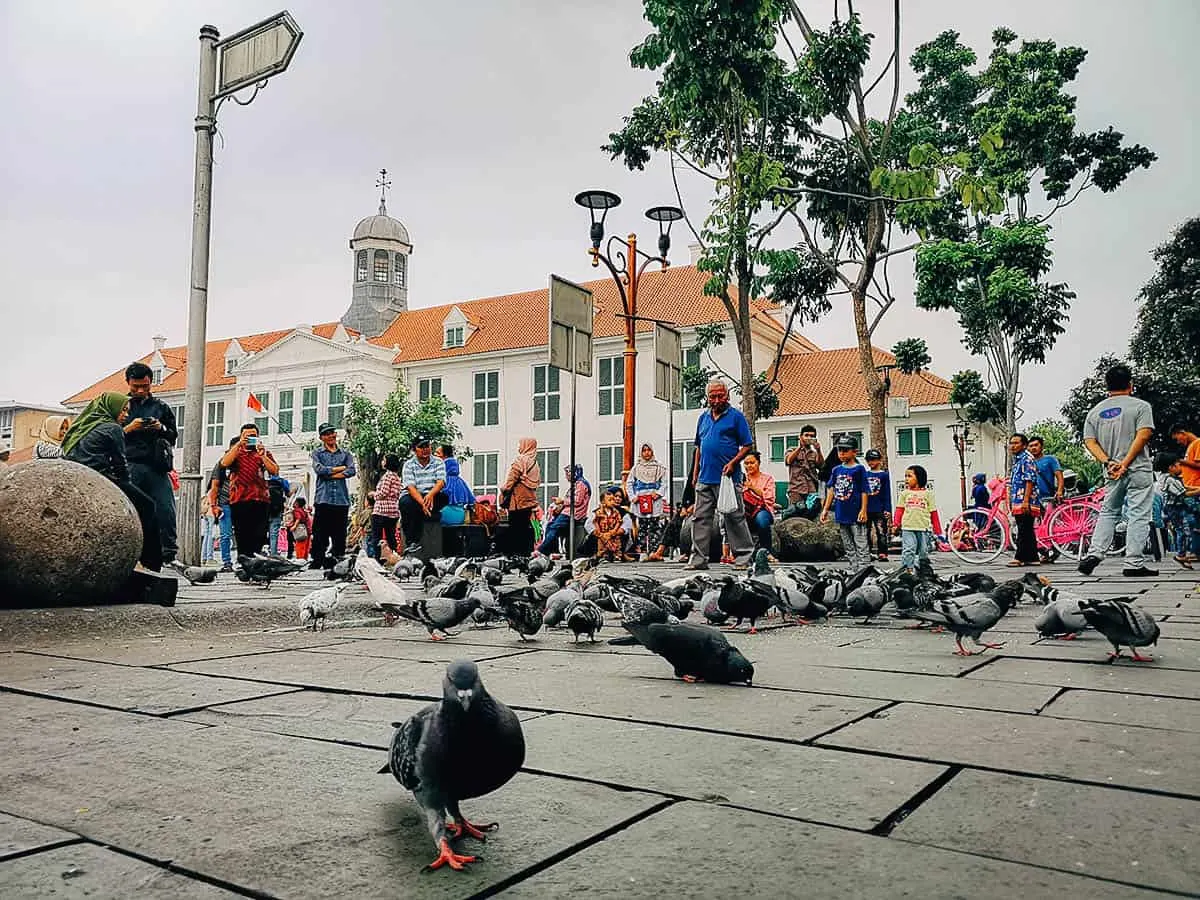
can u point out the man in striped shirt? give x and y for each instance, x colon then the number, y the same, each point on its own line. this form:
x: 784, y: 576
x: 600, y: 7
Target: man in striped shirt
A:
x: 423, y: 478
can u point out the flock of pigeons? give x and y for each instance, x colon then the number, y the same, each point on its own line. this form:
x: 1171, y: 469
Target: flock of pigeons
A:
x: 435, y: 753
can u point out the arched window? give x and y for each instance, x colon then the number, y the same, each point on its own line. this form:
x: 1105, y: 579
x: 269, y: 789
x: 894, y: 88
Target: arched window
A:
x: 399, y: 273
x: 360, y: 273
x: 381, y: 266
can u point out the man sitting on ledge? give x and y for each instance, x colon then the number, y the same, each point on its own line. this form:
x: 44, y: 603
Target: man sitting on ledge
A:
x: 423, y: 477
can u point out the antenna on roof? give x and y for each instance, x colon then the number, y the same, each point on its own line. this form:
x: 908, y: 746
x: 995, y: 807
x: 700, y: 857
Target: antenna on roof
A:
x: 383, y: 184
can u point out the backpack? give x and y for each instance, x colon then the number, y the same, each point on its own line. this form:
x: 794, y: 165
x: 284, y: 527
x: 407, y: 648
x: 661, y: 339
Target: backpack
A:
x: 275, y: 490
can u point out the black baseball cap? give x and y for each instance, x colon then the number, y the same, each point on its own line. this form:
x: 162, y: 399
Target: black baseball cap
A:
x: 846, y: 442
x: 325, y: 429
x: 420, y: 441
x: 874, y: 454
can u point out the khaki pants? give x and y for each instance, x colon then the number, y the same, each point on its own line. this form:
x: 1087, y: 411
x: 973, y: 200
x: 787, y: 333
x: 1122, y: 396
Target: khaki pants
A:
x: 736, y: 531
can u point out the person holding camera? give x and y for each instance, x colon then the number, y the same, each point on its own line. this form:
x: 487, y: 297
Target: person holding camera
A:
x: 804, y: 463
x: 249, y: 498
x: 150, y: 435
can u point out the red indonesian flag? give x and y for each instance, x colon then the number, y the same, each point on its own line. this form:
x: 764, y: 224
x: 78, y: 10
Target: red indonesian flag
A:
x: 253, y: 403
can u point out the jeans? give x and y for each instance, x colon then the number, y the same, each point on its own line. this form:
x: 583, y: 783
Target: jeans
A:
x: 273, y: 535
x: 854, y: 542
x: 914, y: 545
x: 206, y: 539
x: 559, y: 527
x: 703, y: 521
x: 157, y: 486
x: 1138, y: 487
x: 381, y: 527
x: 761, y: 526
x: 328, y: 532
x: 226, y: 526
x: 413, y: 518
x: 879, y: 531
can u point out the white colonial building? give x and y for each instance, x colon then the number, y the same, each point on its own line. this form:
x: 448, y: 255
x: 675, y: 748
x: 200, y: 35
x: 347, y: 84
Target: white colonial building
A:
x: 489, y: 356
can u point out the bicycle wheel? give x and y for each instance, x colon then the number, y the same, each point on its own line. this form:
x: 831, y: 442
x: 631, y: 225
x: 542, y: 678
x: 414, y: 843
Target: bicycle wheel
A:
x: 1071, y: 526
x: 977, y: 539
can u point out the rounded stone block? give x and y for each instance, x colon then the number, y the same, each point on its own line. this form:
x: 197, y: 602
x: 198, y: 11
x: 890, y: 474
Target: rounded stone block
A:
x: 68, y: 536
x: 803, y: 540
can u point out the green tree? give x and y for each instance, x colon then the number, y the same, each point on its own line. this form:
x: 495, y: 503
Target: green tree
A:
x: 988, y: 262
x: 1058, y: 440
x: 374, y: 429
x: 973, y: 402
x: 1166, y: 337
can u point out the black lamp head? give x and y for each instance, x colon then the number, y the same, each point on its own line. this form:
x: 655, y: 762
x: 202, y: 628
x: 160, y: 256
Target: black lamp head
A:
x: 664, y: 216
x: 597, y: 200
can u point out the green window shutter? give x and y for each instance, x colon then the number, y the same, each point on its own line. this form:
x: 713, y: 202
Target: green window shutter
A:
x: 904, y: 442
x: 777, y: 449
x: 924, y: 441
x: 539, y: 379
x: 781, y: 497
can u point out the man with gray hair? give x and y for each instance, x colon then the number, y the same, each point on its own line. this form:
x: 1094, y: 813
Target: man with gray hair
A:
x: 723, y: 439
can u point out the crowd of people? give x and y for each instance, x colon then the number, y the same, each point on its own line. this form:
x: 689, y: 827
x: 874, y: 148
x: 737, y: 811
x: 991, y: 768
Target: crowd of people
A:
x: 728, y: 503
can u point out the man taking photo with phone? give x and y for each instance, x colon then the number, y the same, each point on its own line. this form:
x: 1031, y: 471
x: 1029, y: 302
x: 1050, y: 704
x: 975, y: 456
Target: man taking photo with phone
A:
x: 150, y: 435
x: 249, y: 499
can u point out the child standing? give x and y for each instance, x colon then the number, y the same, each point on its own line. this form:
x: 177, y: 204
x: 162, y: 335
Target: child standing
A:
x: 1181, y: 508
x: 879, y: 504
x: 916, y: 511
x: 847, y: 494
x: 301, y: 527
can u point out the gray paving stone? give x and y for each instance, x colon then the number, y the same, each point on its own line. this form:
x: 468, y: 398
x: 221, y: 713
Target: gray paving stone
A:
x: 785, y: 779
x: 351, y: 718
x: 19, y: 835
x: 745, y: 854
x: 419, y: 651
x: 301, y: 668
x: 123, y: 687
x: 1123, y: 677
x: 85, y: 870
x: 1091, y: 647
x: 1122, y: 835
x: 1127, y: 709
x: 162, y: 650
x: 1087, y: 751
x: 284, y: 816
x: 1181, y: 631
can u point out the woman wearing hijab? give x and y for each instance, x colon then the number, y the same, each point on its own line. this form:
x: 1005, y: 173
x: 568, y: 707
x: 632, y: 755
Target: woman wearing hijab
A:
x: 562, y: 510
x: 50, y: 438
x: 97, y: 441
x: 458, y: 494
x: 518, y: 494
x: 645, y: 487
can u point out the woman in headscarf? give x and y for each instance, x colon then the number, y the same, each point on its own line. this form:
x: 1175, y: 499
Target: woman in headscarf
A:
x: 562, y: 510
x: 50, y: 438
x: 97, y: 441
x: 518, y: 494
x: 646, y: 486
x: 458, y: 494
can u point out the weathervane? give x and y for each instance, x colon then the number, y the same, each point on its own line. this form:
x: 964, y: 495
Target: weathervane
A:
x: 383, y: 184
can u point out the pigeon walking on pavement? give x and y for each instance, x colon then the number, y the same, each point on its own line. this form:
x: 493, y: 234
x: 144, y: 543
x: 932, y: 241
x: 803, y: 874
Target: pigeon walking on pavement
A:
x: 1123, y: 623
x: 699, y: 653
x: 318, y: 605
x: 1062, y: 618
x: 584, y: 617
x: 465, y: 746
x: 972, y: 615
x: 264, y: 569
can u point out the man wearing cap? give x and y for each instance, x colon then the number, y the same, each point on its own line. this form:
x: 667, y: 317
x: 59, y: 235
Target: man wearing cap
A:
x: 723, y: 439
x: 423, y: 477
x: 331, y: 500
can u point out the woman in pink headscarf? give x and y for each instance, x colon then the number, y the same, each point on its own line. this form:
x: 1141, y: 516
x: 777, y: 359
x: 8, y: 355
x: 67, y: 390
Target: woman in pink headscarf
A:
x: 518, y: 494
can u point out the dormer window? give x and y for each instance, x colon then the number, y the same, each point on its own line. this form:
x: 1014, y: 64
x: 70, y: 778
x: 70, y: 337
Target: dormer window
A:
x: 381, y: 266
x: 360, y: 266
x: 454, y: 337
x: 156, y: 375
x: 230, y: 365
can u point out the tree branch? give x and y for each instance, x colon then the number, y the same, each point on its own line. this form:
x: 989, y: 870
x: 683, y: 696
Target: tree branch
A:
x: 879, y: 316
x: 887, y: 129
x: 1061, y: 204
x: 820, y: 254
x: 679, y: 199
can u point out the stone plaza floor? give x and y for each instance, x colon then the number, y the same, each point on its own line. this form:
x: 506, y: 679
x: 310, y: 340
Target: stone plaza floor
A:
x: 216, y: 750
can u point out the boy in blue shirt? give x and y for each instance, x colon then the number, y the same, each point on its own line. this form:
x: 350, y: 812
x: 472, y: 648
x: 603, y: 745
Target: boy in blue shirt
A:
x: 847, y: 494
x: 879, y: 504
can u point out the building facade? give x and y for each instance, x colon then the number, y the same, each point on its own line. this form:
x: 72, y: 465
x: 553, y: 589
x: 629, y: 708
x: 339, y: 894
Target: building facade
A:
x: 489, y: 356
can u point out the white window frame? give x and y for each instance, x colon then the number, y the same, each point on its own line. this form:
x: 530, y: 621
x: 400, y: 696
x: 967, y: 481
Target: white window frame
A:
x: 615, y: 389
x: 305, y: 408
x: 330, y: 406
x: 485, y: 408
x: 691, y: 357
x: 427, y: 388
x: 215, y: 424
x: 7, y: 419
x: 262, y: 422
x: 481, y: 483
x: 362, y: 266
x: 285, y: 426
x: 551, y: 398
x: 550, y: 462
x: 455, y: 336
x: 399, y: 266
x: 230, y: 365
x: 616, y: 455
x: 376, y: 271
x: 178, y: 410
x: 681, y: 465
x: 913, y: 429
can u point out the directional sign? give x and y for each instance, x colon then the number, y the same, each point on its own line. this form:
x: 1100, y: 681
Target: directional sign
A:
x: 668, y: 363
x: 571, y: 311
x: 256, y: 53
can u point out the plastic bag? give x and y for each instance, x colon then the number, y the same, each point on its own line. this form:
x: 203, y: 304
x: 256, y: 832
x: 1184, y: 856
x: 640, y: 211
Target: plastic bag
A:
x: 727, y: 497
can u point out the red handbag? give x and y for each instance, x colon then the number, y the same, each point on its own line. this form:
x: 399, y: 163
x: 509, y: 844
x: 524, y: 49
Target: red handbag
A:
x: 645, y: 504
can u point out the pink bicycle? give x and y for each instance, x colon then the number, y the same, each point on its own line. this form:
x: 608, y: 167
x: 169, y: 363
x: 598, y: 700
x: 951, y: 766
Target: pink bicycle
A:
x: 979, y: 536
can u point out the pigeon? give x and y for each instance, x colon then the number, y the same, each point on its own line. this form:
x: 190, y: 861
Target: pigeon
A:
x: 436, y: 613
x: 467, y: 745
x: 978, y: 582
x: 538, y: 566
x: 544, y: 588
x: 318, y: 605
x: 556, y: 606
x: 973, y: 615
x: 584, y: 617
x: 343, y: 569
x: 745, y: 601
x: 1123, y: 624
x: 1062, y: 617
x: 868, y: 599
x: 710, y: 605
x: 199, y: 574
x: 264, y: 569
x: 523, y: 614
x: 602, y: 595
x: 639, y: 613
x: 698, y: 653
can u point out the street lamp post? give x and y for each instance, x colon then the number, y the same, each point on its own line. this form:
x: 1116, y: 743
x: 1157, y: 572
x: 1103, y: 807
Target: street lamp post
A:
x: 626, y: 263
x: 962, y: 441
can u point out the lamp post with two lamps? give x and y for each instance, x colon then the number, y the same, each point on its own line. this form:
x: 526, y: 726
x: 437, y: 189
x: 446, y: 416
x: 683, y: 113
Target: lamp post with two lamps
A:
x: 626, y: 263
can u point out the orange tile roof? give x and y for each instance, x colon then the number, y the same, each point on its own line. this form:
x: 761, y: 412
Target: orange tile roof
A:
x: 518, y: 321
x: 214, y: 363
x: 831, y: 381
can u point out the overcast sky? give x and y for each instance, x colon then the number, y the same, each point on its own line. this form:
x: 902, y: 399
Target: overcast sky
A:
x: 489, y: 117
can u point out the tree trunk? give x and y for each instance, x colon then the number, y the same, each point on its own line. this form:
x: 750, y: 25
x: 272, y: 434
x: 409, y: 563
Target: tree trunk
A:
x: 1011, y: 389
x: 876, y: 394
x: 745, y: 344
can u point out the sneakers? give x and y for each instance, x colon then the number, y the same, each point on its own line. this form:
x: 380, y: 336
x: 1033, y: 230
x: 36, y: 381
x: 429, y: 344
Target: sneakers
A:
x: 1088, y: 564
x: 1140, y: 572
x: 227, y: 568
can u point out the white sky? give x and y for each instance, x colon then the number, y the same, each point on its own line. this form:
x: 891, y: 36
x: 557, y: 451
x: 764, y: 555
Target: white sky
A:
x: 489, y: 117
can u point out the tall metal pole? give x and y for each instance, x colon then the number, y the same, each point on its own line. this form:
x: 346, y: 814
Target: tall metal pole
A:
x: 671, y: 440
x: 193, y: 403
x: 571, y: 477
x: 631, y: 269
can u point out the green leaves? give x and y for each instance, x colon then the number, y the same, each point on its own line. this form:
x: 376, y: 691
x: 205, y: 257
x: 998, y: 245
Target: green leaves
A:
x: 975, y: 403
x: 912, y: 355
x: 373, y: 429
x: 1168, y: 324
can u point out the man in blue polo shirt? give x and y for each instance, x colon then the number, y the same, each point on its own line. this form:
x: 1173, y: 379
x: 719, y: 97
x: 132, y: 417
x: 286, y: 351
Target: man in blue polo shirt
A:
x: 722, y: 440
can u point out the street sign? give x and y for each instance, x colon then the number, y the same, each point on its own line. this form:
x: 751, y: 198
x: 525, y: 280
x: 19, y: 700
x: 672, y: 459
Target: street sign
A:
x: 897, y: 408
x: 256, y: 53
x: 571, y: 312
x: 668, y: 363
